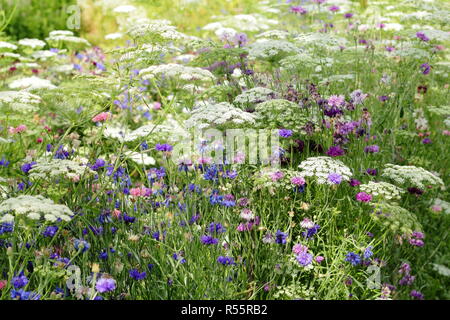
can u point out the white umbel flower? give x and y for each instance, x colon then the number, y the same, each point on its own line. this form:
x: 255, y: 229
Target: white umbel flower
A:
x: 382, y: 190
x: 322, y: 167
x: 411, y: 175
x: 173, y: 70
x: 33, y: 207
x: 31, y: 83
x: 210, y: 115
x: 32, y: 43
x: 56, y: 168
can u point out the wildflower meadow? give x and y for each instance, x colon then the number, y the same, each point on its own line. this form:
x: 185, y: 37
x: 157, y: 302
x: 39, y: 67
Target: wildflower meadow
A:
x: 224, y: 150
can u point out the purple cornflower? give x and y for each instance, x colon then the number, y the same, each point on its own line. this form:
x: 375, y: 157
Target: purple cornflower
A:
x: 353, y: 258
x: 205, y: 239
x: 383, y: 98
x: 27, y: 167
x: 426, y: 68
x: 334, y: 8
x: 422, y: 36
x: 372, y: 149
x: 371, y: 171
x: 163, y: 147
x: 304, y: 258
x: 348, y: 15
x: 407, y: 280
x: 416, y: 295
x: 335, y: 151
x: 285, y: 133
x: 298, y: 9
x: 354, y: 182
x: 281, y: 237
x: 336, y: 101
x: 226, y: 261
x: 310, y: 232
x: 335, y: 178
x: 368, y: 252
x: 136, y: 275
x: 105, y: 285
x: 363, y: 197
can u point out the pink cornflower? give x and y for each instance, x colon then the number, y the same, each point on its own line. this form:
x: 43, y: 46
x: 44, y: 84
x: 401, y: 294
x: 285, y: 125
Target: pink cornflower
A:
x: 276, y: 176
x: 363, y: 197
x: 157, y: 106
x: 140, y: 192
x: 298, y: 181
x: 336, y: 101
x: 101, y: 117
x: 299, y: 248
x: 19, y: 129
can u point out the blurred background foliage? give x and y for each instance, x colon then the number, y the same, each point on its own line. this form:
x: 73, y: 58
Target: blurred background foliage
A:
x: 34, y: 18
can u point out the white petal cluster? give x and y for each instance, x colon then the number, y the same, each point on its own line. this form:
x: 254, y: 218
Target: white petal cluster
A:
x: 322, y: 167
x: 66, y: 36
x: 271, y: 49
x: 32, y: 43
x: 382, y: 190
x: 31, y: 83
x: 254, y: 95
x: 411, y: 175
x: 179, y: 71
x: 158, y: 28
x: 34, y: 208
x: 4, y: 46
x: 223, y: 113
x: 140, y: 158
x: 56, y: 168
x: 20, y: 101
x: 273, y: 34
x: 443, y: 111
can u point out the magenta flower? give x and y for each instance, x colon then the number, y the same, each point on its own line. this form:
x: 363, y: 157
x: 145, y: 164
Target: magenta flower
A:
x: 363, y: 197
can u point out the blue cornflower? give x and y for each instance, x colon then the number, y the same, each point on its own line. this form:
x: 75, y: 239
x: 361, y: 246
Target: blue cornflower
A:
x: 215, y: 228
x: 81, y: 244
x: 163, y: 147
x: 19, y: 281
x: 285, y: 133
x: 6, y: 227
x: 136, y: 275
x: 368, y: 252
x: 205, y: 239
x: 311, y: 231
x: 24, y: 295
x: 226, y: 261
x: 27, y: 166
x: 4, y: 162
x: 353, y: 258
x: 144, y: 145
x: 281, y: 237
x: 50, y: 231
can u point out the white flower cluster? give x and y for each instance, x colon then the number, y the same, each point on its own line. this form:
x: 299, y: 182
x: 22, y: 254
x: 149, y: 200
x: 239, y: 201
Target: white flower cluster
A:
x: 6, y: 46
x: 65, y: 36
x: 32, y: 43
x: 271, y: 49
x: 441, y: 269
x: 223, y: 113
x: 34, y: 208
x: 420, y: 120
x: 21, y: 101
x: 155, y: 28
x: 323, y: 40
x: 173, y: 70
x: 273, y: 34
x: 322, y: 167
x: 170, y: 131
x: 31, y: 83
x: 243, y: 22
x: 412, y: 175
x: 56, y: 168
x: 140, y: 158
x: 254, y: 95
x: 382, y: 190
x: 43, y: 54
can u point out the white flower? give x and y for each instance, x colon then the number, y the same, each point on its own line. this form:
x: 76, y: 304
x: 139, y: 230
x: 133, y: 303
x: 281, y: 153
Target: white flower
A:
x: 173, y: 70
x: 382, y: 190
x: 140, y: 158
x: 254, y: 95
x: 124, y: 9
x: 415, y: 176
x: 322, y: 167
x: 223, y: 113
x: 31, y: 83
x: 56, y: 168
x: 32, y: 43
x: 31, y: 206
x: 7, y: 46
